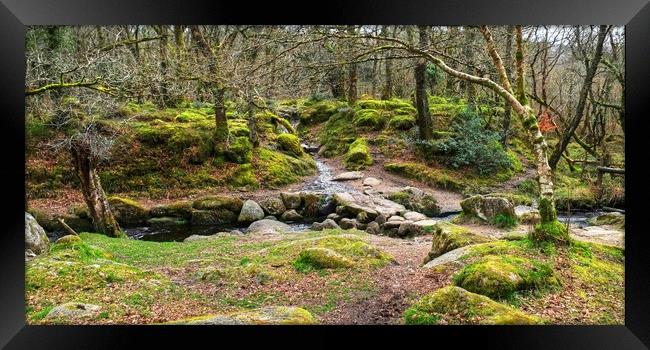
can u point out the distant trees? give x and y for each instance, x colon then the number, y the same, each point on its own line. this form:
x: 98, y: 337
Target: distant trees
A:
x: 569, y: 80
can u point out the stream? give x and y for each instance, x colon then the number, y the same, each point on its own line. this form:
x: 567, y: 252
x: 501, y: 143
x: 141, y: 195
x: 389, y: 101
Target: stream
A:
x: 321, y: 183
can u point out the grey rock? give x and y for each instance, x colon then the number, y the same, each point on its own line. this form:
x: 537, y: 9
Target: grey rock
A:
x: 292, y: 200
x: 347, y: 223
x: 273, y: 205
x: 348, y: 176
x: 291, y: 216
x: 250, y: 211
x: 73, y: 311
x: 325, y: 225
x: 373, y: 228
x: 35, y: 237
x: 414, y: 216
x: 371, y: 181
x: 268, y: 227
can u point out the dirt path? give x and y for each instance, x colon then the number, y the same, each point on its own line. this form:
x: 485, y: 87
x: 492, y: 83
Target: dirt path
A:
x: 397, y: 285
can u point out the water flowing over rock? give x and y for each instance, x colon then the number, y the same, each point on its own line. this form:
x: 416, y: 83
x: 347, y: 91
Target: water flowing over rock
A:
x: 250, y: 211
x: 35, y: 238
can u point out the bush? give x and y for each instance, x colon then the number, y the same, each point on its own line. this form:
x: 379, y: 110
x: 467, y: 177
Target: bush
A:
x: 473, y: 145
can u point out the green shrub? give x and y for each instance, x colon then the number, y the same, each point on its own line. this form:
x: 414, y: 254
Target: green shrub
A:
x: 473, y: 145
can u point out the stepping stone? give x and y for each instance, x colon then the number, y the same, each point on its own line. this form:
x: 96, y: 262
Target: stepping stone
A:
x: 453, y: 255
x: 348, y: 176
x: 371, y: 181
x: 414, y: 216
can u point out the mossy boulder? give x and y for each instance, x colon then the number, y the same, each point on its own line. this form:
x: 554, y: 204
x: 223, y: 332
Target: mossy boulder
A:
x: 426, y: 174
x: 240, y: 150
x: 456, y: 306
x: 127, y: 211
x: 447, y: 237
x: 369, y: 119
x: 417, y: 200
x: 488, y: 208
x: 213, y: 217
x: 613, y: 219
x: 500, y: 276
x: 323, y: 258
x: 275, y: 168
x: 402, y: 122
x: 273, y: 205
x: 270, y: 315
x: 181, y: 209
x: 290, y: 144
x: 292, y: 200
x: 358, y: 155
x: 218, y: 202
x: 319, y: 112
x: 313, y: 203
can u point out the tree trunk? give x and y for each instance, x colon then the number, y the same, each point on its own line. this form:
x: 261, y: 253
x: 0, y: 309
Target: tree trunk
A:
x: 508, y: 66
x: 352, y: 77
x: 468, y: 53
x: 165, y: 99
x: 387, y: 94
x: 94, y: 196
x: 222, y: 133
x: 582, y: 100
x: 421, y: 99
x: 519, y: 59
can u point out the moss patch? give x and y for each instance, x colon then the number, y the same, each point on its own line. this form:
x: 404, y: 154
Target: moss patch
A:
x: 358, y: 156
x: 500, y: 276
x: 428, y: 175
x: 454, y: 305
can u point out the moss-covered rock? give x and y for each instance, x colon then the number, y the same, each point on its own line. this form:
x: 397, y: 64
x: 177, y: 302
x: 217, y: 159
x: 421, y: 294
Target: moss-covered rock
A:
x: 454, y: 306
x: 369, y: 119
x: 447, y: 237
x: 323, y: 258
x: 213, y: 217
x: 290, y: 144
x: 417, y: 200
x: 240, y: 150
x: 500, y: 276
x: 358, y: 156
x: 273, y: 205
x: 218, y: 202
x: 278, y: 169
x: 181, y: 209
x: 494, y: 210
x: 337, y: 134
x: 421, y: 172
x: 402, y: 122
x: 270, y: 315
x: 127, y: 211
x: 319, y: 112
x: 613, y: 219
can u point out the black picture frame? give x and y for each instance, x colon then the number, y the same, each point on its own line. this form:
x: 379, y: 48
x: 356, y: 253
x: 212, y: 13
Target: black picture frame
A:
x: 15, y: 15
